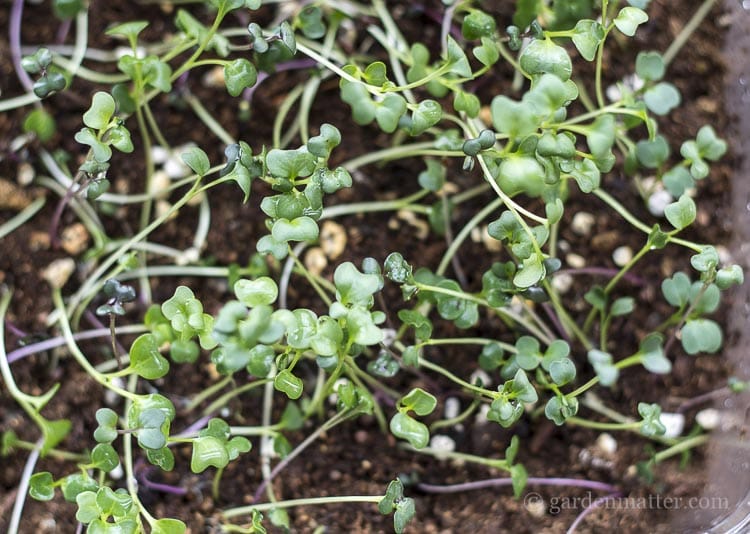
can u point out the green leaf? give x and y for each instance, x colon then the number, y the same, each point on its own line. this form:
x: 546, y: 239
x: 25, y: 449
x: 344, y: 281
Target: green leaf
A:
x: 162, y: 458
x: 145, y: 359
x: 622, y: 306
x: 168, y: 526
x: 531, y: 272
x: 88, y: 510
x: 258, y: 292
x: 629, y: 18
x: 290, y: 163
x: 101, y: 111
x: 405, y: 510
x: 208, y: 451
x: 104, y: 457
x: 544, y: 56
x: 427, y: 114
x: 652, y: 154
x: 586, y: 175
x: 478, y: 24
x: 678, y: 180
x: 42, y: 486
x: 558, y: 409
x: 287, y: 383
x: 40, y: 123
x: 650, y: 66
x: 517, y: 119
x: 397, y: 269
x: 287, y: 37
x: 706, y: 260
x: 587, y: 36
x: 676, y: 289
x: 76, y: 483
x: 51, y: 82
x: 404, y: 427
x: 729, y: 276
x: 488, y: 53
x: 603, y: 367
x: 197, y: 160
x: 311, y: 22
x: 239, y: 75
x: 457, y: 59
x: 652, y: 351
x: 322, y: 144
x: 422, y: 402
x: 562, y: 371
x: 101, y: 151
x: 662, y: 98
x: 362, y: 329
x: 54, y: 432
x: 682, y: 213
x: 389, y: 112
x: 651, y: 425
x: 701, y: 335
x: 299, y: 229
x: 354, y: 287
x: 711, y: 147
x: 129, y: 30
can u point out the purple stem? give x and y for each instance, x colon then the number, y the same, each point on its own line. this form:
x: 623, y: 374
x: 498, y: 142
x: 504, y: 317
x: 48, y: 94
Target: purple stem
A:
x: 142, y: 471
x: 63, y: 30
x: 13, y: 329
x: 635, y: 280
x: 14, y: 36
x: 593, y: 506
x: 556, y: 321
x: 198, y: 425
x: 497, y: 482
x: 48, y: 344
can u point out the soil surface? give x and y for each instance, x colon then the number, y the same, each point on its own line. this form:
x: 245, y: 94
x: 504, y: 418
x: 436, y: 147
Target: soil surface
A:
x: 356, y: 458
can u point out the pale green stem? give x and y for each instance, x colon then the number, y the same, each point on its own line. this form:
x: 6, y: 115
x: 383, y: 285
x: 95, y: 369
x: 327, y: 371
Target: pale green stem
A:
x: 24, y: 215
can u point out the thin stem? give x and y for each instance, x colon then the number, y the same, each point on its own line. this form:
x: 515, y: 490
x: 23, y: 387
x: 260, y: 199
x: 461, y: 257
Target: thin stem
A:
x: 684, y: 35
x: 23, y: 487
x: 500, y: 482
x: 423, y: 362
x: 24, y: 215
x: 314, y: 501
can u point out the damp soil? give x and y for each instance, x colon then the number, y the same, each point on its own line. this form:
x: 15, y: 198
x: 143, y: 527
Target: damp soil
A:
x: 356, y: 458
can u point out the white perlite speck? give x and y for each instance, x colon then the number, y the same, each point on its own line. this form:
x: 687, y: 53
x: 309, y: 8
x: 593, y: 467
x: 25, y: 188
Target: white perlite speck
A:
x: 441, y: 443
x: 674, y: 423
x: 606, y: 444
x: 582, y: 223
x: 658, y: 201
x: 622, y: 255
x: 709, y: 418
x: 452, y: 407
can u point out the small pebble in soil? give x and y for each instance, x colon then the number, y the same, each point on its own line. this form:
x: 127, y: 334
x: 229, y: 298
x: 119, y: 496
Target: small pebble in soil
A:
x: 674, y: 423
x: 575, y: 261
x: 117, y: 473
x: 332, y: 239
x: 74, y: 239
x: 490, y: 243
x: 442, y: 444
x: 452, y: 407
x: 48, y: 524
x: 622, y: 255
x: 334, y: 474
x: 562, y: 282
x: 658, y: 201
x: 482, y: 376
x: 421, y: 226
x: 214, y: 77
x: 582, y: 223
x: 606, y: 444
x: 536, y: 507
x: 315, y: 260
x: 25, y: 174
x: 160, y: 183
x: 709, y: 418
x: 58, y: 272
